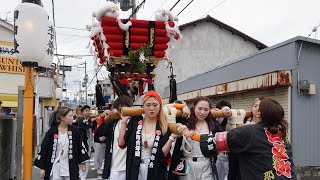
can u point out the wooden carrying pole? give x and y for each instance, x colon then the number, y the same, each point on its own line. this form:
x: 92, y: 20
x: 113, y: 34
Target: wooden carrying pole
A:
x: 134, y: 111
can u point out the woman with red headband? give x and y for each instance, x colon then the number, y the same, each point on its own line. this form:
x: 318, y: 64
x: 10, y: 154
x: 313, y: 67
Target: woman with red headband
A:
x: 148, y: 141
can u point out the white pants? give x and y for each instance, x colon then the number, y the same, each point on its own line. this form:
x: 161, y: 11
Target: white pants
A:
x: 143, y: 172
x: 59, y: 178
x: 56, y: 173
x: 222, y: 165
x: 117, y: 175
x: 99, y: 153
x: 199, y: 170
x: 83, y: 174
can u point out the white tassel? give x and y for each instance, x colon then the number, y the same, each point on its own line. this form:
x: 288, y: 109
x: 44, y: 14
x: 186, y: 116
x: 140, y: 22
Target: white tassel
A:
x: 89, y: 43
x: 95, y: 63
x: 91, y: 51
x: 103, y: 37
x: 124, y: 27
x: 173, y: 32
x: 105, y: 45
x: 95, y: 29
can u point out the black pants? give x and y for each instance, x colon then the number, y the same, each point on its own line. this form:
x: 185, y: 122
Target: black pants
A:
x: 234, y: 169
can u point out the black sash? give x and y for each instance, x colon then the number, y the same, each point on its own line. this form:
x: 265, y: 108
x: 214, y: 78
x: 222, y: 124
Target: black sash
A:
x: 158, y: 136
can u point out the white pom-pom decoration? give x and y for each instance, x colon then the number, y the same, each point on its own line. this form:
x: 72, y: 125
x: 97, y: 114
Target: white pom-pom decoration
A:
x: 161, y: 15
x: 109, y: 10
x: 164, y: 15
x: 124, y: 27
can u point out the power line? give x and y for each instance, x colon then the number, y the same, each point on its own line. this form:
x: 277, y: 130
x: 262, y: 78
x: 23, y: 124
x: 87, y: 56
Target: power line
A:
x: 98, y: 4
x: 62, y: 34
x: 95, y: 76
x: 83, y: 55
x: 74, y: 35
x: 79, y: 29
x: 185, y: 7
x: 136, y: 9
x: 314, y: 30
x: 72, y: 40
x: 163, y: 4
x: 159, y: 8
x: 174, y: 5
x: 213, y: 8
x: 54, y: 24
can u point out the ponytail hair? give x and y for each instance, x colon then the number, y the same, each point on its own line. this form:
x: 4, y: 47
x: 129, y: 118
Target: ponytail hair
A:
x: 52, y: 119
x: 55, y: 117
x: 272, y: 116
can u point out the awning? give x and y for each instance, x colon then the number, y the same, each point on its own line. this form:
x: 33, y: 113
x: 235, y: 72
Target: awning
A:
x: 9, y: 100
x: 12, y: 104
x: 49, y: 102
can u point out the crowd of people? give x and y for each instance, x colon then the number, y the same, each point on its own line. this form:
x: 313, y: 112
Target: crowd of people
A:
x: 144, y: 148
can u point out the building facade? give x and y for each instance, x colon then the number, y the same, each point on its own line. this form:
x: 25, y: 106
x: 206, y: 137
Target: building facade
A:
x: 287, y: 72
x: 12, y: 76
x: 206, y: 43
x: 11, y: 70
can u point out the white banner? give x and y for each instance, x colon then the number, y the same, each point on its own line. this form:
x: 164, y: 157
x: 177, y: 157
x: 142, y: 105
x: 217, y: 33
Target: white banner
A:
x: 7, y: 49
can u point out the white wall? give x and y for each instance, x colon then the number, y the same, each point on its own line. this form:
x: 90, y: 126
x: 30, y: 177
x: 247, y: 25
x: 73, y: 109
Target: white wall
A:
x: 202, y: 48
x: 10, y: 82
x: 5, y: 34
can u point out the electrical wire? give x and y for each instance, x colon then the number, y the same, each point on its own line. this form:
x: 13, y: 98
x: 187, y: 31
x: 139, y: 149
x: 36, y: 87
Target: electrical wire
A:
x: 54, y: 24
x: 70, y: 37
x: 79, y: 29
x: 174, y: 5
x: 82, y: 55
x: 314, y: 30
x: 136, y: 9
x: 158, y: 8
x: 163, y: 4
x: 62, y: 34
x: 94, y: 76
x: 213, y: 8
x: 185, y: 7
x: 98, y: 4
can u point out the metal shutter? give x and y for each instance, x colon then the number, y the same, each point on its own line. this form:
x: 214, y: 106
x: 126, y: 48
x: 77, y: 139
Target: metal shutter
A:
x: 245, y: 100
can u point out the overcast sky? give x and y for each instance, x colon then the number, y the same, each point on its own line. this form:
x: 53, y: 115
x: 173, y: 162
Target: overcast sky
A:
x: 268, y: 21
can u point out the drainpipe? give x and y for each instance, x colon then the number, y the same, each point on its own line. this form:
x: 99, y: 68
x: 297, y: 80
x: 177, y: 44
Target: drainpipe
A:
x: 298, y: 68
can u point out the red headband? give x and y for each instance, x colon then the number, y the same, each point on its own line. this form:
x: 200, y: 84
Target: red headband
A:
x: 152, y: 94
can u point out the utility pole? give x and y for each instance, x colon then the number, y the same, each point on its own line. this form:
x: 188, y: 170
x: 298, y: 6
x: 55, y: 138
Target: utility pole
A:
x: 64, y: 57
x: 80, y: 93
x: 86, y: 80
x: 134, y: 7
x: 57, y: 85
x: 63, y: 75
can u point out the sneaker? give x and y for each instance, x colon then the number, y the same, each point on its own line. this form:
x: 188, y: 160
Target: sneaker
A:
x: 99, y: 171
